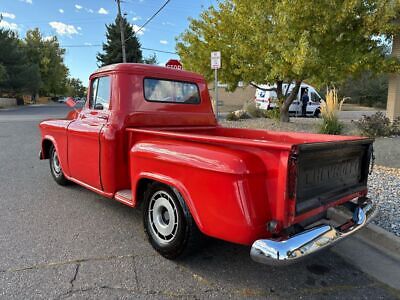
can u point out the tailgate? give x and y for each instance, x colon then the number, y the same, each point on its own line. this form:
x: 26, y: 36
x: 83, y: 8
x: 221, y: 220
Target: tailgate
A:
x: 327, y: 172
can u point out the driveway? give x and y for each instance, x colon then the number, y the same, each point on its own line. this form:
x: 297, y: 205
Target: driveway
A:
x: 67, y: 242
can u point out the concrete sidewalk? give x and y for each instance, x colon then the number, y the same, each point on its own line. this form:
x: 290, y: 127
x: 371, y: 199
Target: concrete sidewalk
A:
x: 371, y: 260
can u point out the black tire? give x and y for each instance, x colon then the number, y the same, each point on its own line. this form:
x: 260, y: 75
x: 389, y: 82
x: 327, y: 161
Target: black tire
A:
x: 55, y: 168
x: 164, y: 207
x: 317, y: 113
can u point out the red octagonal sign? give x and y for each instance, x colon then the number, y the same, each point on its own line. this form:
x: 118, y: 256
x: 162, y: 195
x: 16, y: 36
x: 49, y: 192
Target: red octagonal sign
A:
x: 174, y: 64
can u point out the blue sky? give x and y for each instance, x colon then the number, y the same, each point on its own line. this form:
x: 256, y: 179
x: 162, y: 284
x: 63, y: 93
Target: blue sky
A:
x: 80, y: 25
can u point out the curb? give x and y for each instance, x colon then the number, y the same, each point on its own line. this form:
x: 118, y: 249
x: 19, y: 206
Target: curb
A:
x: 373, y: 235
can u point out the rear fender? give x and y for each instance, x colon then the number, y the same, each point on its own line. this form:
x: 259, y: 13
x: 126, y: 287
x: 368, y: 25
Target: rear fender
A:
x: 177, y: 187
x: 217, y: 184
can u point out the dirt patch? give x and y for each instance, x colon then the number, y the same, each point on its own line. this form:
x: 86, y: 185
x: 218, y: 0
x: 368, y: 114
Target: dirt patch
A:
x: 310, y: 125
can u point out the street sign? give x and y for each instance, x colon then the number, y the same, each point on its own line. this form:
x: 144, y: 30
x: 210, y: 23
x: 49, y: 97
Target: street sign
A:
x: 174, y: 64
x: 215, y: 60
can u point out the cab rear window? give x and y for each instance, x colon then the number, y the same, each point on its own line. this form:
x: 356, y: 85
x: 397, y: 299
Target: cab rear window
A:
x: 170, y: 91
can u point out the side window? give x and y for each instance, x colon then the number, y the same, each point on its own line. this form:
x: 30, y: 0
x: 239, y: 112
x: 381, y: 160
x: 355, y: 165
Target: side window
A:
x: 314, y: 97
x: 93, y: 92
x: 100, y: 93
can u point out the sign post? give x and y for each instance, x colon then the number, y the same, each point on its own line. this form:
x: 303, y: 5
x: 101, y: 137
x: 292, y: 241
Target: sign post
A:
x: 216, y: 64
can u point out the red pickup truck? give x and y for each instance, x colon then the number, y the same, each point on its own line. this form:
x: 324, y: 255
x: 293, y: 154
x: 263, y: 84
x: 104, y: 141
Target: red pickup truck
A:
x: 147, y: 136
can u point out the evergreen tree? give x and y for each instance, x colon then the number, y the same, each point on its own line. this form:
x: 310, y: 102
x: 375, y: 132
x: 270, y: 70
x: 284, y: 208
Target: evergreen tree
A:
x: 151, y: 60
x: 112, y: 51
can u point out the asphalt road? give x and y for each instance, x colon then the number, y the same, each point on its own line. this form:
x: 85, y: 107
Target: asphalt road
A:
x: 67, y: 242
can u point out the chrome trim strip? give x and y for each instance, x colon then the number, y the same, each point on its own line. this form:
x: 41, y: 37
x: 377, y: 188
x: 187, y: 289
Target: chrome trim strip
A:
x: 278, y: 252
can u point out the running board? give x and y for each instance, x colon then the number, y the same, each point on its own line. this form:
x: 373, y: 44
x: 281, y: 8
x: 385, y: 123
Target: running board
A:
x: 124, y: 196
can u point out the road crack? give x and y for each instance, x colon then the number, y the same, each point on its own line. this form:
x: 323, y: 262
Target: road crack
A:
x: 75, y: 275
x: 67, y: 262
x: 135, y: 273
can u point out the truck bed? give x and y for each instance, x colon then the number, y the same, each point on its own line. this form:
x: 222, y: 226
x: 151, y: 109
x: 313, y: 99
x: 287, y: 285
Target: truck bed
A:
x: 237, y: 136
x: 319, y: 169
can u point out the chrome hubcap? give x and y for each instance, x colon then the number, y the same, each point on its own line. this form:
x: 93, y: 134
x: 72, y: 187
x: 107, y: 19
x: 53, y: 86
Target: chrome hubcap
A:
x: 163, y: 217
x: 56, y: 164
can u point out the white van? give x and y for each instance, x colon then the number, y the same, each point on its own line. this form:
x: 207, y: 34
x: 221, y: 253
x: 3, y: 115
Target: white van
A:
x: 269, y: 100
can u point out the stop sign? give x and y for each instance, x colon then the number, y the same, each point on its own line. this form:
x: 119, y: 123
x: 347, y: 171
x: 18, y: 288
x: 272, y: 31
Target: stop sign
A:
x: 174, y: 64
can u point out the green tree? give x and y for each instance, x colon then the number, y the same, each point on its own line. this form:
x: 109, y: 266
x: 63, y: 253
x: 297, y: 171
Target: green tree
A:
x: 75, y: 87
x: 112, y: 51
x: 17, y: 74
x: 279, y: 41
x: 49, y: 56
x: 367, y: 89
x: 3, y: 73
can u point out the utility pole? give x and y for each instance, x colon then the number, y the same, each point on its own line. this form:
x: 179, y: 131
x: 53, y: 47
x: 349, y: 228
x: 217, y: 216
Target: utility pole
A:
x: 121, y: 26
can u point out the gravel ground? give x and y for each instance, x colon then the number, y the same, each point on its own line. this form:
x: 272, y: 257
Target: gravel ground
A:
x: 384, y: 186
x: 384, y: 182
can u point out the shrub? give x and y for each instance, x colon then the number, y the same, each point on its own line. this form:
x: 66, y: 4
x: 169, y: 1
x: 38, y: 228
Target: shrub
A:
x: 274, y: 114
x: 231, y: 116
x: 253, y: 110
x: 378, y: 125
x: 329, y: 108
x: 331, y: 126
x: 237, y: 115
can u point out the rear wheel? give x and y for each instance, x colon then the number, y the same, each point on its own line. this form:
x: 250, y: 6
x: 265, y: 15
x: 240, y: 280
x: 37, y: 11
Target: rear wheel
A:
x: 168, y: 223
x: 55, y: 167
x: 317, y: 113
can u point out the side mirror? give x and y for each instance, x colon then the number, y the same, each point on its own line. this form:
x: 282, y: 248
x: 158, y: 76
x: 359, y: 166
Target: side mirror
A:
x: 98, y: 106
x: 70, y: 102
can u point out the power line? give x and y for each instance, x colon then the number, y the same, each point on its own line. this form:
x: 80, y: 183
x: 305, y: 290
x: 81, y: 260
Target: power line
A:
x: 153, y: 16
x: 99, y: 45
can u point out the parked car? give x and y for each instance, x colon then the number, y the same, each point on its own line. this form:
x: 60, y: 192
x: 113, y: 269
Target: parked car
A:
x: 62, y: 99
x: 268, y: 99
x: 147, y: 136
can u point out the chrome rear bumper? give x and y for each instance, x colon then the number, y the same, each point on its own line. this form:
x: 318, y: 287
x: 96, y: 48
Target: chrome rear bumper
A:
x: 277, y: 252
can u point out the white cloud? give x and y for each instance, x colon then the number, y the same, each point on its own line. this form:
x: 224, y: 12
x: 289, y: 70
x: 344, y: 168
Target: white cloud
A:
x: 8, y: 15
x: 103, y: 11
x: 88, y: 44
x: 79, y: 28
x: 164, y: 42
x: 137, y: 18
x: 61, y: 11
x: 168, y: 23
x: 77, y: 6
x: 63, y: 29
x: 136, y: 28
x: 26, y: 1
x: 8, y: 25
x: 89, y: 10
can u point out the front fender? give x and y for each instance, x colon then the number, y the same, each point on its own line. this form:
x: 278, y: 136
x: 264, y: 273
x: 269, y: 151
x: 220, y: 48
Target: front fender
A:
x: 56, y: 132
